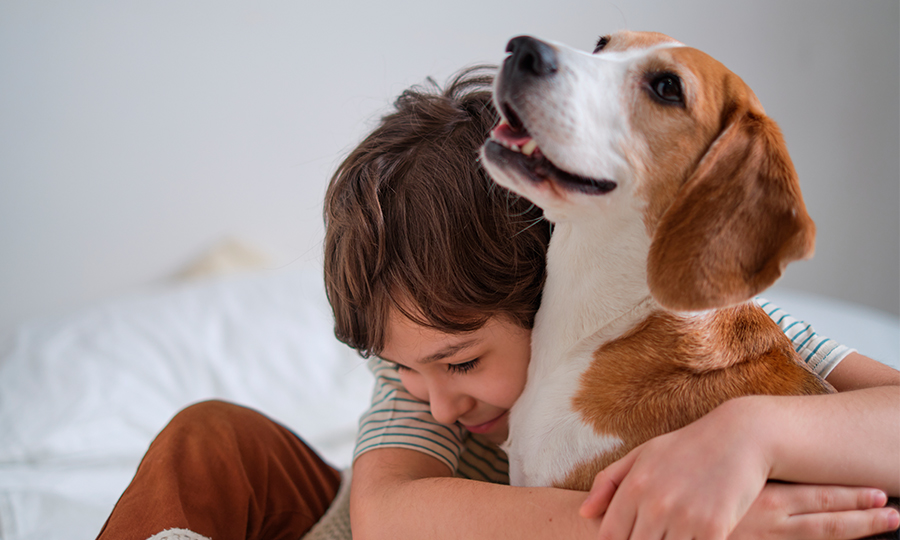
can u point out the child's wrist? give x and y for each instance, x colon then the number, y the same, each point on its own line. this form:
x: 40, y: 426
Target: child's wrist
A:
x: 757, y: 419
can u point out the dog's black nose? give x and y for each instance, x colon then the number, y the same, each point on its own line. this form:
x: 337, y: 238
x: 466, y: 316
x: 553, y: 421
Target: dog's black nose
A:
x: 530, y: 56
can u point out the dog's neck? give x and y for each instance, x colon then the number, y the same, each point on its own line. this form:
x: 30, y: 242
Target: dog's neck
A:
x: 596, y: 286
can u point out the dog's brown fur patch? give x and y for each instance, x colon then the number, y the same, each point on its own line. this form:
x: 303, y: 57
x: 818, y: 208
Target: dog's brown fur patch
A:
x: 671, y: 370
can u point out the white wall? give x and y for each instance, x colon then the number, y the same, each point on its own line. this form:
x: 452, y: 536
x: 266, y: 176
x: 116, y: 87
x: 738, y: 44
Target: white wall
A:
x: 133, y: 135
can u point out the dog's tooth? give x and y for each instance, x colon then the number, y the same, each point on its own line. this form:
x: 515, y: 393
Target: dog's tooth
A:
x: 514, y: 147
x: 529, y: 147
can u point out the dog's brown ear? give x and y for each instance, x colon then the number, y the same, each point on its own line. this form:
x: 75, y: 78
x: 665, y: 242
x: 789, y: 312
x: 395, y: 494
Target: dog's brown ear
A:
x: 734, y: 225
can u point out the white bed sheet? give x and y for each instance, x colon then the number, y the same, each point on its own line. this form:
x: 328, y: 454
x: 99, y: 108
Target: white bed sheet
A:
x: 82, y: 395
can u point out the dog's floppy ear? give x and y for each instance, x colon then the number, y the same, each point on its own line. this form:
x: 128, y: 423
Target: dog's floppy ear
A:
x: 734, y: 225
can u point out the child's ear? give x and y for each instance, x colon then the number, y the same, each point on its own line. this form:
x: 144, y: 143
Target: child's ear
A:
x: 734, y: 225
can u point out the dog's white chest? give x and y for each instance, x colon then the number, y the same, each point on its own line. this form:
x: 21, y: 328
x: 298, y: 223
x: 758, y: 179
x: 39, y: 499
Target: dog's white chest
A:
x: 548, y: 439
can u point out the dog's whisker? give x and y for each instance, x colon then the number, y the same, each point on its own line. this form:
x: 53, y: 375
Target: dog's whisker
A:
x: 532, y: 224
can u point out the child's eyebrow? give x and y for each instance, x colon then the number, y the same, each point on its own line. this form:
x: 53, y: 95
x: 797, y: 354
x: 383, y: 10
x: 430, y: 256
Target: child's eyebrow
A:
x: 446, y: 352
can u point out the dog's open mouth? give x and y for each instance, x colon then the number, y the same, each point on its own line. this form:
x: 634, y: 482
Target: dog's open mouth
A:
x: 512, y: 145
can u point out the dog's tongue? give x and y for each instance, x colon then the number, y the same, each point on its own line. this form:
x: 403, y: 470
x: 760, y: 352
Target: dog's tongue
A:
x: 504, y: 132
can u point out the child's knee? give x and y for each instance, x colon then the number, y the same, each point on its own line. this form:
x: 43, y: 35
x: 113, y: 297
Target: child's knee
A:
x: 214, y: 419
x: 224, y: 429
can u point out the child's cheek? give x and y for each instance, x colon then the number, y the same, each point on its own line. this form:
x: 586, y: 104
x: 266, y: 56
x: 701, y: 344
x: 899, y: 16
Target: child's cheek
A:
x: 515, y: 386
x: 414, y: 384
x: 506, y: 390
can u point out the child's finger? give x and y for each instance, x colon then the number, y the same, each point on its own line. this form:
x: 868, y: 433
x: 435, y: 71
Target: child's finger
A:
x: 598, y: 499
x: 806, y: 499
x: 605, y: 484
x: 617, y: 523
x: 649, y: 528
x: 842, y: 525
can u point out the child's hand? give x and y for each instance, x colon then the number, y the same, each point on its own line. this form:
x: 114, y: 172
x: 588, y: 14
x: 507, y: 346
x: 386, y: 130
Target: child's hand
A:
x: 708, y: 481
x: 800, y: 511
x: 695, y: 482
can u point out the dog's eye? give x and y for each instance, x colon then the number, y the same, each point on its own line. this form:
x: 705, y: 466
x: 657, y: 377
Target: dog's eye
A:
x: 667, y: 87
x: 601, y: 42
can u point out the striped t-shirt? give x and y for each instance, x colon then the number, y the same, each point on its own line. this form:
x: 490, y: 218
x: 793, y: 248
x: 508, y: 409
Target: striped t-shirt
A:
x: 398, y: 420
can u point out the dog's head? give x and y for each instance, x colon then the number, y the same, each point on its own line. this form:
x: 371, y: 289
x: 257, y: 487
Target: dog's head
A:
x: 646, y: 128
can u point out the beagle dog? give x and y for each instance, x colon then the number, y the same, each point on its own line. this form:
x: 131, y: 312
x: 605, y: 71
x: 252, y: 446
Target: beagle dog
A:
x: 674, y: 203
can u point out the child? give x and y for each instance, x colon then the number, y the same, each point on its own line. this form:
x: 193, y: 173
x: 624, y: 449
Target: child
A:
x: 434, y: 273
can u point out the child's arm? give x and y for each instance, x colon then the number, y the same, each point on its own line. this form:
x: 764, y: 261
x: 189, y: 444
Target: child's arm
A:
x: 850, y: 438
x: 398, y: 494
x: 857, y: 371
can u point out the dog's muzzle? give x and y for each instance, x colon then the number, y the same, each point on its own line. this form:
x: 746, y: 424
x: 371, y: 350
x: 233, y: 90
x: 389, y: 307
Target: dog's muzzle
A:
x: 529, y: 59
x: 511, y: 146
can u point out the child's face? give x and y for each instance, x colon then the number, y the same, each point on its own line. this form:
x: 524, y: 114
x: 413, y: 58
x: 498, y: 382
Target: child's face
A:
x: 472, y: 378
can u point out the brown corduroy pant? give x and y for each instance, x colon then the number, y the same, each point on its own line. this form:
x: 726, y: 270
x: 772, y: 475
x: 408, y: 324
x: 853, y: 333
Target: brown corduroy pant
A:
x: 228, y: 473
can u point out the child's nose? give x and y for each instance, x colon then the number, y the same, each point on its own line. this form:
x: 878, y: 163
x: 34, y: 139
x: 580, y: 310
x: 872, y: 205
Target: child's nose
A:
x: 448, y: 406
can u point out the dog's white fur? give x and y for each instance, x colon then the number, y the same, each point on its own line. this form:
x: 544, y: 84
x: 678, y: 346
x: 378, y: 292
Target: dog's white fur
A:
x: 585, y: 121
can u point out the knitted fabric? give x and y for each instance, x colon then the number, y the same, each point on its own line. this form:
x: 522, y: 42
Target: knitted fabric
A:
x: 335, y: 524
x: 178, y: 534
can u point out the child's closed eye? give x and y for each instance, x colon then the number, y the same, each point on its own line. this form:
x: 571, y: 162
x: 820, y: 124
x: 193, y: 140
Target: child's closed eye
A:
x: 465, y: 367
x: 462, y: 368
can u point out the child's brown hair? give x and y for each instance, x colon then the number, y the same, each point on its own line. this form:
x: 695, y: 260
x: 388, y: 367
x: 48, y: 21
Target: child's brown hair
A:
x: 412, y: 222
